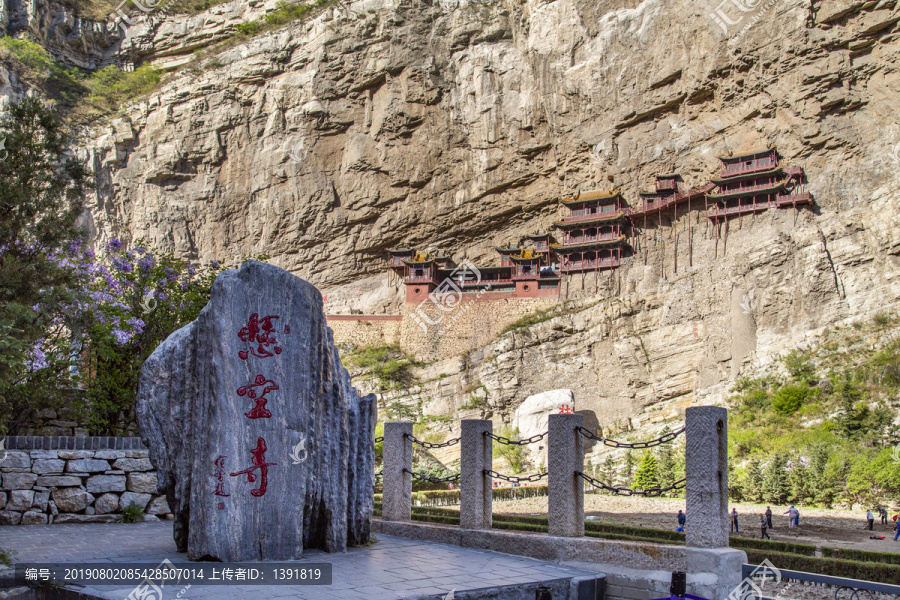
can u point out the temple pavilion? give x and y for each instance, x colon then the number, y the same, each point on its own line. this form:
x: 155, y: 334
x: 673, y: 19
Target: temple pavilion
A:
x: 593, y: 233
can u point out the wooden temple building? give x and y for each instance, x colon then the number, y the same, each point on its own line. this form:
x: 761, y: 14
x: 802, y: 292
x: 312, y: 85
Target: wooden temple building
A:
x: 600, y: 227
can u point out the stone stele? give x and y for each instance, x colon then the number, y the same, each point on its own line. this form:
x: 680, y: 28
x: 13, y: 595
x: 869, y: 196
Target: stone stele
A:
x: 262, y: 446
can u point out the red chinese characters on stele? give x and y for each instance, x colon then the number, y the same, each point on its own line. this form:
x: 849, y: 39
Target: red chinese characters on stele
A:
x: 220, y: 483
x: 259, y: 332
x: 257, y: 391
x: 259, y: 463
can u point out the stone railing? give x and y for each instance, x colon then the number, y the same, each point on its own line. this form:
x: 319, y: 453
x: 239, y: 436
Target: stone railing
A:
x: 64, y: 479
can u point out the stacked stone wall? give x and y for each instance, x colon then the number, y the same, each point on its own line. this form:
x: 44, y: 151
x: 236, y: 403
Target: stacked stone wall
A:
x: 40, y: 485
x: 365, y: 330
x: 456, y: 326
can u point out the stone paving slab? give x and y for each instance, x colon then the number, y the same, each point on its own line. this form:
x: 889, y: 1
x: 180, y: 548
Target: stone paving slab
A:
x: 393, y: 568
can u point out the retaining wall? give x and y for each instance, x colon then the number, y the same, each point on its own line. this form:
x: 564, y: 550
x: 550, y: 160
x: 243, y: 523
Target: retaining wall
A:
x: 365, y: 330
x: 65, y: 479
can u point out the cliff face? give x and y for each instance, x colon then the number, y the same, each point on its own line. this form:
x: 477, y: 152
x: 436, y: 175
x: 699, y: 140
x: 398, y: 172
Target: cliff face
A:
x: 458, y: 124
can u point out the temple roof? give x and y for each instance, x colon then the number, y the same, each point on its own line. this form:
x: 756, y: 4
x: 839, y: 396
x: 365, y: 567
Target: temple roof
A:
x: 595, y: 244
x: 752, y: 175
x: 401, y: 250
x: 538, y: 235
x: 507, y: 249
x: 609, y: 216
x: 780, y: 185
x: 736, y: 157
x: 592, y: 195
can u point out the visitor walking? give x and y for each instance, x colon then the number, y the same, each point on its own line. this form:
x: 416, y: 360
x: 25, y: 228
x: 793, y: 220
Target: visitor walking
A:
x: 870, y: 520
x: 897, y: 527
x: 734, y: 521
x: 681, y: 518
x: 884, y: 515
x: 764, y: 525
x: 793, y: 516
x: 769, y: 517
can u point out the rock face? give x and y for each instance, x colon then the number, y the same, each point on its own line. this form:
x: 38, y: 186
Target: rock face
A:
x: 532, y: 417
x: 261, y: 444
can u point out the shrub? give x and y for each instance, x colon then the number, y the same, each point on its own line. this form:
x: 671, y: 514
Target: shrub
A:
x: 131, y: 514
x: 800, y: 367
x: 789, y: 398
x: 867, y: 571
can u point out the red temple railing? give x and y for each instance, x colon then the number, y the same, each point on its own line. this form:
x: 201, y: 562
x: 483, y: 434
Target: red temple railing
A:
x: 757, y: 165
x: 581, y: 265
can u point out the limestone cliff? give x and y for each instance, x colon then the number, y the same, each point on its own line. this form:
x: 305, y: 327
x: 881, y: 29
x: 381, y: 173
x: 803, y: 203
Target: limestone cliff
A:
x: 458, y: 124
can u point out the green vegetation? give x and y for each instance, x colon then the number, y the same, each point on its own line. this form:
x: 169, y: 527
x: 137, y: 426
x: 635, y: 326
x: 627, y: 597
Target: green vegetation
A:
x: 284, y: 13
x: 131, y: 514
x: 647, y: 474
x: 80, y: 96
x: 6, y: 556
x: 822, y: 434
x: 388, y: 364
x: 515, y: 455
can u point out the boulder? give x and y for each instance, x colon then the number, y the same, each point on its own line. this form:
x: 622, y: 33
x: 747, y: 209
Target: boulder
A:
x: 87, y: 465
x: 69, y: 518
x: 144, y: 483
x: 107, y: 503
x: 44, y: 466
x: 532, y: 418
x: 58, y: 481
x: 262, y: 446
x: 133, y: 464
x: 32, y: 517
x: 157, y: 506
x: 131, y: 498
x: 20, y: 500
x: 10, y: 517
x: 19, y: 481
x: 71, y: 500
x: 106, y: 483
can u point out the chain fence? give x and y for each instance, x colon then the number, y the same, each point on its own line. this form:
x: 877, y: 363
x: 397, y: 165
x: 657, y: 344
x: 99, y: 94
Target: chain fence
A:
x: 509, y: 442
x: 425, y: 444
x: 624, y: 491
x: 379, y: 439
x: 536, y: 477
x: 433, y: 479
x: 668, y: 437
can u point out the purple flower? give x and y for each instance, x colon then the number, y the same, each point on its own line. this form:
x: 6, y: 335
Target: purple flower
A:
x: 184, y: 286
x: 130, y: 254
x: 214, y: 264
x: 122, y: 266
x: 161, y: 295
x: 114, y: 245
x: 38, y: 358
x: 88, y: 254
x: 137, y: 325
x: 191, y: 269
x: 140, y: 249
x: 171, y: 274
x: 147, y: 263
x: 122, y: 337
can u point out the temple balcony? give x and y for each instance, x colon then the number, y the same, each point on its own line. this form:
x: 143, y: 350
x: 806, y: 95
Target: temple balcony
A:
x: 574, y: 241
x: 589, y: 265
x: 574, y: 218
x: 757, y: 165
x: 794, y: 199
x: 716, y: 211
x: 666, y: 185
x: 419, y: 279
x: 396, y: 262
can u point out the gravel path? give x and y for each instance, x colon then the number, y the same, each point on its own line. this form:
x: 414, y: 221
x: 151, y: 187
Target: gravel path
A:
x: 830, y: 528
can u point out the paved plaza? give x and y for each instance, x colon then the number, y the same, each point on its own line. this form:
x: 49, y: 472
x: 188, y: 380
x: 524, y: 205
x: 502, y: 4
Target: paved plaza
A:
x: 390, y: 569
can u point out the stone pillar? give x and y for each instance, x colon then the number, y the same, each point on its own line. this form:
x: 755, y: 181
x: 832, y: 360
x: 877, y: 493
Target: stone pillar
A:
x: 476, y: 456
x: 706, y: 468
x: 396, y: 498
x: 565, y: 488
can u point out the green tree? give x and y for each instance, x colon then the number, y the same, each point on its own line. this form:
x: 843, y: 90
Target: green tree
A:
x: 647, y: 474
x: 667, y: 467
x: 42, y: 190
x: 775, y: 486
x: 514, y: 454
x: 753, y: 486
x: 608, y: 470
x: 628, y: 467
x: 790, y: 398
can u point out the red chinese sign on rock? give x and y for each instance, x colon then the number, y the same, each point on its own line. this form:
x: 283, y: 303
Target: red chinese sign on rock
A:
x: 258, y: 463
x: 259, y: 333
x: 220, y: 482
x: 257, y: 391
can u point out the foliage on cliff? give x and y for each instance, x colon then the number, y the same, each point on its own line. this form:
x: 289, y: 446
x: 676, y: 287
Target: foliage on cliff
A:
x: 824, y: 432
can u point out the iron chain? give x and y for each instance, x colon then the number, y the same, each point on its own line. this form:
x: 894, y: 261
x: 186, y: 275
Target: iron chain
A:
x: 634, y: 445
x: 379, y: 439
x: 431, y: 444
x: 509, y: 442
x: 432, y: 479
x: 623, y: 491
x: 497, y: 475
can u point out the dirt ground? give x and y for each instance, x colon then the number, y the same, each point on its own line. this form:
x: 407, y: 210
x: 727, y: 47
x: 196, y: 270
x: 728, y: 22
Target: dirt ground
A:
x: 830, y: 528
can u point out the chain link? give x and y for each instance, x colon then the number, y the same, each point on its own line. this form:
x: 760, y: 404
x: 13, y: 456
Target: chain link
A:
x: 509, y: 442
x: 623, y: 491
x: 635, y: 445
x: 431, y: 444
x: 432, y: 479
x: 379, y: 439
x: 497, y: 475
x: 379, y: 472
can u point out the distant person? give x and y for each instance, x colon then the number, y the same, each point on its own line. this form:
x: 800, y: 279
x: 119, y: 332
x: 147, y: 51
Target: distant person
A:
x: 897, y: 527
x: 793, y: 516
x: 769, y: 517
x: 884, y: 515
x: 681, y: 518
x: 734, y: 521
x: 679, y: 529
x: 764, y: 526
x: 870, y: 520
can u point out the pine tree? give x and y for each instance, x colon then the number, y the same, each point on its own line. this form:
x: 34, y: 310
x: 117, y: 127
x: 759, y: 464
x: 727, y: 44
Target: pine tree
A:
x: 628, y: 467
x: 647, y: 474
x: 775, y: 483
x: 666, y: 460
x: 753, y: 490
x: 608, y: 470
